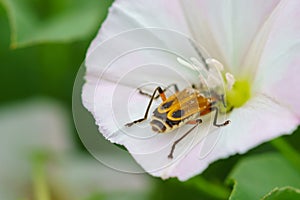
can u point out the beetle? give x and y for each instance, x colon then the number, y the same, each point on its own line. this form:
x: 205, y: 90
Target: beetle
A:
x: 183, y: 107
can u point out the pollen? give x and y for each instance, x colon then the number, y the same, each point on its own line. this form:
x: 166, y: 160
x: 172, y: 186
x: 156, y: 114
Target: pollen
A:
x: 239, y: 94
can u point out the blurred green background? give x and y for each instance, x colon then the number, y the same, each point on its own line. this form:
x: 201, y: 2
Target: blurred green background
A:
x: 42, y: 45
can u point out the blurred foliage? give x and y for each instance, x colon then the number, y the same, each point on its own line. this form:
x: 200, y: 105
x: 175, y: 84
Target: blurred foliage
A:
x: 42, y: 45
x: 40, y: 21
x: 283, y: 193
x: 261, y: 174
x: 49, y: 68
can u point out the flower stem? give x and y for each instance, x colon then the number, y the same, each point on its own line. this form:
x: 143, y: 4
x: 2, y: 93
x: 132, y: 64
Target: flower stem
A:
x: 41, y: 190
x: 287, y: 151
x: 211, y: 189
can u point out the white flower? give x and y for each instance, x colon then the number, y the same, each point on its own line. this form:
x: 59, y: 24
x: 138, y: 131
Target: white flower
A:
x: 256, y: 41
x: 28, y: 128
x: 40, y: 126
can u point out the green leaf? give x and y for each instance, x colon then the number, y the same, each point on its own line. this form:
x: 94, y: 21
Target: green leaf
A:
x: 255, y: 176
x: 283, y: 193
x: 41, y: 21
x: 212, y: 189
x: 96, y: 196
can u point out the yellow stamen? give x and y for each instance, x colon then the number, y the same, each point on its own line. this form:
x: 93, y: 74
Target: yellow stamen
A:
x: 239, y: 94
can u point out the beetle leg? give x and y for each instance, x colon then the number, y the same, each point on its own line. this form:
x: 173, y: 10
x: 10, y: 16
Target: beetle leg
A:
x: 216, y: 118
x: 198, y: 121
x: 192, y: 122
x: 163, y: 97
x: 164, y: 90
x: 223, y: 100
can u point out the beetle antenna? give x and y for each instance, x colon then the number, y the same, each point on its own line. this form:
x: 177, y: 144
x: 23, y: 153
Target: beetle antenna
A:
x: 199, y: 53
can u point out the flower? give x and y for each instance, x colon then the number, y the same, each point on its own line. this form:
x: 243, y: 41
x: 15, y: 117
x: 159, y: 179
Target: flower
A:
x: 256, y: 42
x: 39, y: 129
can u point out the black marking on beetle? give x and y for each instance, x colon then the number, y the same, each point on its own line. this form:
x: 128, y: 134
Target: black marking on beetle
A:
x: 167, y: 104
x: 163, y: 117
x: 178, y: 114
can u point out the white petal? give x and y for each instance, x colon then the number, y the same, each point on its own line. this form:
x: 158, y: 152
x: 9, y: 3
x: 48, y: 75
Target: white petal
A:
x: 224, y: 28
x: 131, y: 14
x: 227, y: 28
x: 278, y: 72
x: 260, y: 120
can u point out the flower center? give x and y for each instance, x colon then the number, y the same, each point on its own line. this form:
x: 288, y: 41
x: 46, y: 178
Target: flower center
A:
x: 239, y: 94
